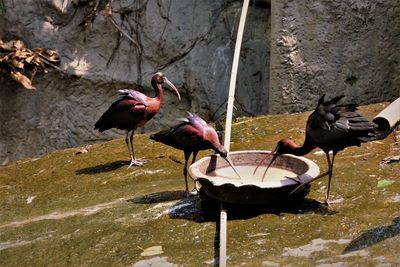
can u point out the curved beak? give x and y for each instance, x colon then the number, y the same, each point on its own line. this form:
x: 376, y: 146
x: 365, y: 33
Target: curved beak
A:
x: 274, y: 157
x: 227, y: 159
x: 170, y: 84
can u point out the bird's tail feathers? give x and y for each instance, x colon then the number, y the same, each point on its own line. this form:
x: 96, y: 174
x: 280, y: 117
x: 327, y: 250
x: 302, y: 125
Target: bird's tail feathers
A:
x: 334, y: 100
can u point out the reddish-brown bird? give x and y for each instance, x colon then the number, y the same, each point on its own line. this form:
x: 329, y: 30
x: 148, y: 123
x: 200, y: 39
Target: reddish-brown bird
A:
x: 133, y: 110
x: 331, y: 127
x: 191, y: 135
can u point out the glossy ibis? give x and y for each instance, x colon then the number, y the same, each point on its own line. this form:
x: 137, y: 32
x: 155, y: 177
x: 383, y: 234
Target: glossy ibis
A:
x: 133, y: 110
x: 191, y: 135
x: 331, y: 127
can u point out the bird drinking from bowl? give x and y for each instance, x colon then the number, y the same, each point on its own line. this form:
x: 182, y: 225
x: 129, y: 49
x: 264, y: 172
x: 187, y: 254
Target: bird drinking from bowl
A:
x: 191, y: 135
x: 331, y: 127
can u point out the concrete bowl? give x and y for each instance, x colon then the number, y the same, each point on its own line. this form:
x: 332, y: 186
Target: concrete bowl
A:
x: 219, y: 182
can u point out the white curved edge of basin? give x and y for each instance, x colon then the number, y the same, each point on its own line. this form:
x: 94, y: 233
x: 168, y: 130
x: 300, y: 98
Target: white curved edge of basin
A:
x: 196, y: 174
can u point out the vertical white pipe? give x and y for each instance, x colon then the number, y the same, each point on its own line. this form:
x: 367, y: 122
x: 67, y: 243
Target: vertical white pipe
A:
x: 232, y: 85
x: 223, y: 217
x: 228, y: 126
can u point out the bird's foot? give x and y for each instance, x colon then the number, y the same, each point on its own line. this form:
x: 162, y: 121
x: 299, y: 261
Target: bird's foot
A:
x: 194, y: 192
x: 296, y: 179
x: 327, y: 203
x: 137, y: 162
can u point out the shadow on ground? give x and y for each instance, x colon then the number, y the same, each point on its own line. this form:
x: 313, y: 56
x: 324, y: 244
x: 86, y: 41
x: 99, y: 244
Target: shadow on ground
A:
x: 107, y: 167
x: 373, y: 236
x: 202, y: 209
x: 158, y: 197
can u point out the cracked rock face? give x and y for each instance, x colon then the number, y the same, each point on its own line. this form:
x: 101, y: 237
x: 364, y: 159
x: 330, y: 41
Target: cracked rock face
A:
x: 333, y: 47
x: 190, y: 41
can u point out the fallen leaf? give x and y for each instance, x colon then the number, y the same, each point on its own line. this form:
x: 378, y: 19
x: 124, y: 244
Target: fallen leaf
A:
x: 18, y: 44
x: 17, y: 64
x: 19, y: 77
x: 391, y: 159
x: 384, y: 183
x: 30, y: 199
x: 48, y: 54
x: 151, y: 251
x: 29, y: 59
x: 81, y: 151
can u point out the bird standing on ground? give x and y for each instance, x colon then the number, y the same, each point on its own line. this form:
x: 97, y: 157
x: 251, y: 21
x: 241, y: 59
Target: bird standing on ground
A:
x: 191, y: 135
x: 133, y: 110
x: 331, y: 127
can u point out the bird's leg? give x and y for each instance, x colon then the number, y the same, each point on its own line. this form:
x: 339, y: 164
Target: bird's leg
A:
x: 193, y: 160
x: 316, y: 178
x: 129, y: 147
x: 312, y: 180
x: 134, y: 161
x: 187, y: 156
x: 330, y: 172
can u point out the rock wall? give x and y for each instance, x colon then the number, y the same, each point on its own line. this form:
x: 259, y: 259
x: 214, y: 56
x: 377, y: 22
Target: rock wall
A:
x: 313, y: 47
x: 334, y: 47
x: 190, y: 41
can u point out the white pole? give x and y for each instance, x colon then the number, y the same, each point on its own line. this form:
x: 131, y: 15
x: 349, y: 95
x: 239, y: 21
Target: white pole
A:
x: 223, y: 217
x: 228, y: 126
x: 232, y: 85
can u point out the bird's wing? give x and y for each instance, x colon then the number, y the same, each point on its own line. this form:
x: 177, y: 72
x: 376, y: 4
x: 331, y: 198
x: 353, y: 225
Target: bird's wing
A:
x: 334, y: 123
x: 137, y: 97
x: 181, y: 136
x: 197, y: 123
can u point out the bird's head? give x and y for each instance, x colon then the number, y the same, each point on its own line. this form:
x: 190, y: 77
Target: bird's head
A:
x: 159, y: 78
x: 284, y: 146
x: 221, y: 150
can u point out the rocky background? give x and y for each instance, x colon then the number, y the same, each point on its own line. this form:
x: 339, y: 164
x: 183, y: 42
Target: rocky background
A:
x: 334, y: 47
x: 190, y: 41
x: 313, y: 47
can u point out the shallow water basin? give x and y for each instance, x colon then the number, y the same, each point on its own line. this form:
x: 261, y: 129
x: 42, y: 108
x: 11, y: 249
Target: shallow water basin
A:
x: 219, y: 180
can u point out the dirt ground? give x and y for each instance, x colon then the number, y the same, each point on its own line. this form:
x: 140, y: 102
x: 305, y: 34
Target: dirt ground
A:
x: 84, y: 207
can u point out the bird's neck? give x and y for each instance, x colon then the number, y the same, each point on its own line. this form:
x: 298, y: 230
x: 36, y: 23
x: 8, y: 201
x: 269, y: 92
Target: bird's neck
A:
x: 159, y: 92
x: 306, y: 148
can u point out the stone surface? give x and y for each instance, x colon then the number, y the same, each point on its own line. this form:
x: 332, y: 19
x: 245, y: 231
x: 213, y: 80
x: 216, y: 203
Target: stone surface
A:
x: 190, y: 41
x: 89, y: 209
x: 333, y: 47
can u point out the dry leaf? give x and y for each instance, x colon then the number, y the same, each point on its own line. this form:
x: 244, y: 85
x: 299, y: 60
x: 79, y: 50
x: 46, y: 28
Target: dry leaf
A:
x: 18, y: 44
x: 4, y: 57
x: 17, y: 64
x: 19, y: 77
x: 151, y: 251
x: 81, y: 151
x: 48, y: 54
x: 20, y: 61
x: 29, y: 59
x: 9, y: 46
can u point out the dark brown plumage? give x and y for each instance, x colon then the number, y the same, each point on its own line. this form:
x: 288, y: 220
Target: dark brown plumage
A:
x: 331, y: 127
x: 133, y: 110
x: 191, y: 135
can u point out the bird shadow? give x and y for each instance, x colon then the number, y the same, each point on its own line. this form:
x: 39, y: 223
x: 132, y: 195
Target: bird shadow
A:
x: 373, y: 236
x: 107, y: 167
x: 204, y: 209
x: 200, y: 208
x: 158, y: 197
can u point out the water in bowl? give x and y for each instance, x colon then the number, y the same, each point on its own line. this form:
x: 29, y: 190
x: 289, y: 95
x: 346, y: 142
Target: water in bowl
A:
x: 274, y: 177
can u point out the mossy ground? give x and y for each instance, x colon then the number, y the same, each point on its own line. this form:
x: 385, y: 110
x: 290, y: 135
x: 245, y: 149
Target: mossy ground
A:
x: 88, y: 209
